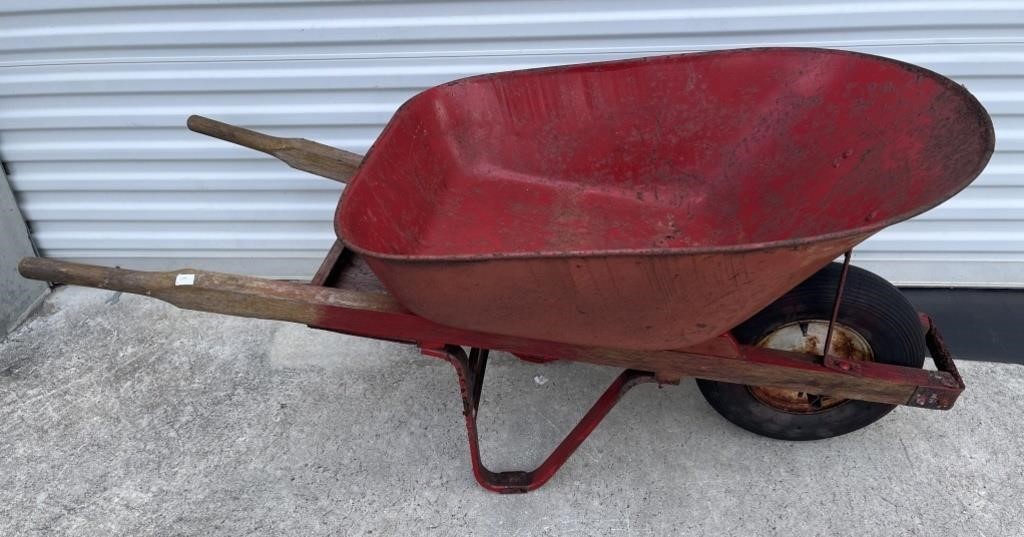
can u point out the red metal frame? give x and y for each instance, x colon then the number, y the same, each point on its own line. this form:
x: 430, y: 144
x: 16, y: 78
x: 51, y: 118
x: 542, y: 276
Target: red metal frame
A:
x: 470, y: 370
x: 718, y: 359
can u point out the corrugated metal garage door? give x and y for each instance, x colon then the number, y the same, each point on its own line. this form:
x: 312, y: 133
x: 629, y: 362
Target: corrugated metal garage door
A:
x: 94, y: 94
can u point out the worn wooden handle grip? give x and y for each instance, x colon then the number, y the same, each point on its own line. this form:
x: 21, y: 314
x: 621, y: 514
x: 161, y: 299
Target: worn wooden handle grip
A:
x: 299, y: 153
x: 200, y: 290
x: 52, y: 270
x: 236, y: 135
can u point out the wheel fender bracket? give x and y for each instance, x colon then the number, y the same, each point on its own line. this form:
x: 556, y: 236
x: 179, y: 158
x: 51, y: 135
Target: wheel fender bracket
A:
x: 947, y: 384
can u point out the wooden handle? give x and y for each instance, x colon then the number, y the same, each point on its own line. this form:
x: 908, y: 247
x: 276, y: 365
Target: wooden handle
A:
x: 299, y: 153
x: 216, y: 292
x: 54, y: 271
x: 236, y: 135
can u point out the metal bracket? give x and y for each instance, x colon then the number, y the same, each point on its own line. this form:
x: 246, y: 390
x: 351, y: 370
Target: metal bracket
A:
x: 829, y: 361
x: 470, y: 370
x: 947, y: 383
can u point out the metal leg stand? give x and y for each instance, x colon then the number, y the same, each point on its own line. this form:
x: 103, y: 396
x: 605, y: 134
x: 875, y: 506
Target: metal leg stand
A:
x: 470, y: 370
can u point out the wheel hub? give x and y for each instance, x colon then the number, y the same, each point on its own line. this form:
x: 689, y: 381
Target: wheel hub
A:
x: 809, y: 337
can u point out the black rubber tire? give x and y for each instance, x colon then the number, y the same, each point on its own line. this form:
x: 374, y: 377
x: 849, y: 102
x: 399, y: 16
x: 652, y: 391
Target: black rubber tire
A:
x: 871, y: 306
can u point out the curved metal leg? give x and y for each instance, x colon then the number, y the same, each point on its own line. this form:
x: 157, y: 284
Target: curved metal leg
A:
x: 470, y: 370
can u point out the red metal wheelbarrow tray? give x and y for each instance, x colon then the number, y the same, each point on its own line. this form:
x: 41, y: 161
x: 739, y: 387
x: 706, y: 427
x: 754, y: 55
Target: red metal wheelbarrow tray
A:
x: 651, y: 203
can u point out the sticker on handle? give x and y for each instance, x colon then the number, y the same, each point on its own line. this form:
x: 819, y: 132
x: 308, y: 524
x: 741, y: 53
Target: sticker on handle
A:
x: 185, y: 279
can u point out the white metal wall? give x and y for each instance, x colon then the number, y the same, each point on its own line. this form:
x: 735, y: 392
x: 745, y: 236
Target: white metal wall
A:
x: 94, y: 94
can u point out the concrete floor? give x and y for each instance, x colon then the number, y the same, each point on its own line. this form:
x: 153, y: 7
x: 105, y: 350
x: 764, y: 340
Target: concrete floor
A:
x: 125, y: 416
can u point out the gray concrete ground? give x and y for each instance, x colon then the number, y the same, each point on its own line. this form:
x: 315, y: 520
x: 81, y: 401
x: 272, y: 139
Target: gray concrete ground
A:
x: 125, y: 416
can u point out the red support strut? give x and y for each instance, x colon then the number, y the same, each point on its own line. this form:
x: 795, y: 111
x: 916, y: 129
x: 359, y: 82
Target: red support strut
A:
x: 470, y: 370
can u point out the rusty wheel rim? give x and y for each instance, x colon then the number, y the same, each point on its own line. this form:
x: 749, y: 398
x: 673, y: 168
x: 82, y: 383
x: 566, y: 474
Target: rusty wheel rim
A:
x: 809, y: 337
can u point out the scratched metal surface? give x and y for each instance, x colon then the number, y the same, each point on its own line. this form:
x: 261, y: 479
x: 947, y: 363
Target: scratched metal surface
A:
x: 93, y: 97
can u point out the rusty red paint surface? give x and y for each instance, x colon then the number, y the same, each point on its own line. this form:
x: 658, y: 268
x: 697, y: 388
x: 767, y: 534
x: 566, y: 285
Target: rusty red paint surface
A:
x: 651, y: 203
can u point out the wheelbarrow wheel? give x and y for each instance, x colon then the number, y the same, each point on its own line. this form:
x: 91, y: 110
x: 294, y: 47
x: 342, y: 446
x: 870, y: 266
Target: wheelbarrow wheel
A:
x: 875, y: 323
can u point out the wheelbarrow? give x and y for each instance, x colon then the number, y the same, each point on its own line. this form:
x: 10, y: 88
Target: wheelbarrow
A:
x: 674, y: 216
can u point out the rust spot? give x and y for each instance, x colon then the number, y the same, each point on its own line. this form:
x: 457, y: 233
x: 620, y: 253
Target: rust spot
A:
x: 845, y: 347
x: 811, y: 345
